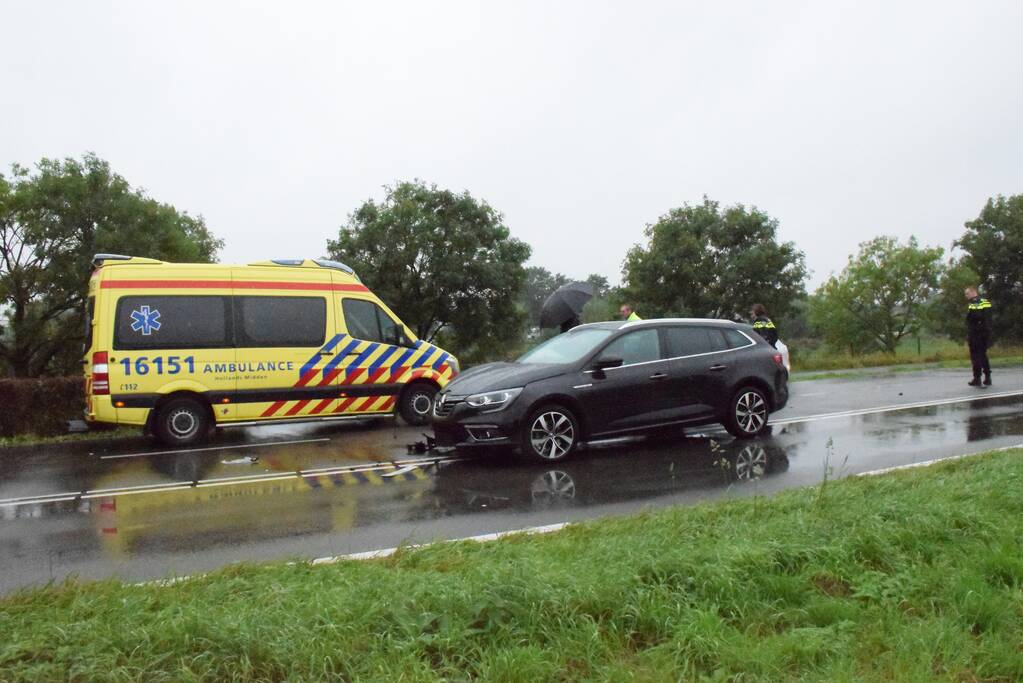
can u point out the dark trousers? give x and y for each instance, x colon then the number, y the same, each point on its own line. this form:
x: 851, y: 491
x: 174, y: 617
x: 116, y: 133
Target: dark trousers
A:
x: 978, y: 356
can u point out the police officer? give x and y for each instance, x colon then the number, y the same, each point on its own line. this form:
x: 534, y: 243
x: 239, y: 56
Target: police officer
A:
x: 763, y: 325
x: 628, y: 313
x: 978, y: 335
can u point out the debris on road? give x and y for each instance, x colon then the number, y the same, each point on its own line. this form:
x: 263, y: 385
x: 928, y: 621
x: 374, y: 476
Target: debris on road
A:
x: 420, y: 447
x: 247, y: 460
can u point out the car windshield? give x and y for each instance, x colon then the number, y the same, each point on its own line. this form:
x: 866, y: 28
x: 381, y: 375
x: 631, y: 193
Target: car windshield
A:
x: 567, y: 347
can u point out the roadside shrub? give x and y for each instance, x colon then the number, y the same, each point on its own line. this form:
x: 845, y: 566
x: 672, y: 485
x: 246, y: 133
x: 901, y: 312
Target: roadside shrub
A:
x: 40, y: 406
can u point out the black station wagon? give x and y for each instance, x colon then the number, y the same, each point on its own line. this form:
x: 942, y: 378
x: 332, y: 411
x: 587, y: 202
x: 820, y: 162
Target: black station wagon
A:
x: 608, y: 379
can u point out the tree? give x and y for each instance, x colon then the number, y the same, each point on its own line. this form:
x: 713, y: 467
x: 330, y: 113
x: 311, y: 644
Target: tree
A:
x: 947, y: 313
x: 445, y: 262
x: 703, y: 261
x: 51, y: 224
x: 993, y: 243
x: 879, y: 297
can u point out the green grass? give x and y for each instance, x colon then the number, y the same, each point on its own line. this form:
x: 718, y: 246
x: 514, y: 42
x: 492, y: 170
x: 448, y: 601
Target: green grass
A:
x: 1004, y: 362
x: 95, y: 435
x: 913, y: 576
x: 931, y: 350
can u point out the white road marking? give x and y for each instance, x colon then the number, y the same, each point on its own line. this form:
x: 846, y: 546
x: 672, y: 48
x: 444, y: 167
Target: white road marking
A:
x: 902, y: 406
x: 213, y: 448
x: 400, y: 471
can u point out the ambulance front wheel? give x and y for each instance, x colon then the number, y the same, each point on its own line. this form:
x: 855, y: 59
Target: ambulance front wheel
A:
x: 417, y: 402
x: 182, y: 422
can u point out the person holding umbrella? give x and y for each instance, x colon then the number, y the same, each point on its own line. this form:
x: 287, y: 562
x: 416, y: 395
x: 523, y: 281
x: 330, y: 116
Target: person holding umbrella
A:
x: 564, y: 307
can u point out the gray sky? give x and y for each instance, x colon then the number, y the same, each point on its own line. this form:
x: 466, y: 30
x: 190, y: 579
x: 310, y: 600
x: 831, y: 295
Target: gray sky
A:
x: 581, y: 122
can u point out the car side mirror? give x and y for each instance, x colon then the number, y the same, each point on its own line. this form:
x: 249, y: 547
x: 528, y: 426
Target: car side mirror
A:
x: 605, y: 362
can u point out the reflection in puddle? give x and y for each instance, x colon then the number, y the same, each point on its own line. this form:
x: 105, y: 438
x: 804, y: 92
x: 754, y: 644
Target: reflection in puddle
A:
x: 608, y: 475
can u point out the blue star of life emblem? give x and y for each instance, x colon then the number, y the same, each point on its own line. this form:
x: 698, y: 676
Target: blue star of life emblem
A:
x: 145, y: 320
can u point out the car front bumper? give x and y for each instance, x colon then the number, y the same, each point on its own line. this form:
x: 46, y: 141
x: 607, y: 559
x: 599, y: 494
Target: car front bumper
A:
x: 465, y: 428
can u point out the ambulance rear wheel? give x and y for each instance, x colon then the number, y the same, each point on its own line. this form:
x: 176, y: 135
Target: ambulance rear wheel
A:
x: 182, y: 422
x: 417, y: 402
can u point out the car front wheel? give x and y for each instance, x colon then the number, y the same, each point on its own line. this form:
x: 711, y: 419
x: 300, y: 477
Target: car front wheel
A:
x: 747, y: 413
x: 550, y: 434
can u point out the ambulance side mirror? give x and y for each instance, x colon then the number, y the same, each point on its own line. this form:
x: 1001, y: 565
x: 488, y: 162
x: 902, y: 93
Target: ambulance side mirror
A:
x: 398, y: 337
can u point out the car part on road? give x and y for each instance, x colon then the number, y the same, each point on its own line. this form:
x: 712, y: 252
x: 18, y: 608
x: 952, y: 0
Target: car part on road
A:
x: 552, y: 434
x: 420, y: 447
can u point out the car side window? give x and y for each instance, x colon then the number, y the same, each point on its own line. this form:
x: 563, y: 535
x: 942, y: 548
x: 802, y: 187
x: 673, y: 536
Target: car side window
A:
x: 735, y: 339
x: 693, y: 340
x: 640, y: 346
x: 365, y: 320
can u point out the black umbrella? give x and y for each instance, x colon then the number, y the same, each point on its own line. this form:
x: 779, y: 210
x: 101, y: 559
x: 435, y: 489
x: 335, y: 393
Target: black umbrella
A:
x: 565, y: 304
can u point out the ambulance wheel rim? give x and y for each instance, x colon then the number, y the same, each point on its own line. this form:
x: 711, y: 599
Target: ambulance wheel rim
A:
x: 182, y: 423
x: 421, y: 403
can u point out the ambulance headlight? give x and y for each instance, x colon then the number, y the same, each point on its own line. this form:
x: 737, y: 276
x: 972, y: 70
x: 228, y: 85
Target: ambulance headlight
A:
x: 493, y: 401
x: 455, y: 367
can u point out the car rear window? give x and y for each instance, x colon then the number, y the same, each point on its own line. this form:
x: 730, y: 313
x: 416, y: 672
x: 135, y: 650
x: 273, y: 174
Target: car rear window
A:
x: 694, y: 340
x: 172, y: 322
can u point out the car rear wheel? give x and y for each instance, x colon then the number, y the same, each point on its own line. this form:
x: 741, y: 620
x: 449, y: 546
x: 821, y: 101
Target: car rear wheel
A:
x: 416, y: 403
x: 550, y: 434
x: 182, y: 422
x: 747, y: 413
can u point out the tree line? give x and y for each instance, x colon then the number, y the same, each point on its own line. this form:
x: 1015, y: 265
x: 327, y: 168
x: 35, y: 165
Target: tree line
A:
x: 448, y: 265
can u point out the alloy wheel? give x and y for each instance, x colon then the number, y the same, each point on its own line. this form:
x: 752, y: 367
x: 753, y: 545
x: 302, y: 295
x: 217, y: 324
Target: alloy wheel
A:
x: 552, y: 435
x: 751, y: 412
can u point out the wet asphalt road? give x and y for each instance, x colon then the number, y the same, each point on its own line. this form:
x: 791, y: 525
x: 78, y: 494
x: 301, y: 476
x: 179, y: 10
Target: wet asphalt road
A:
x: 136, y: 512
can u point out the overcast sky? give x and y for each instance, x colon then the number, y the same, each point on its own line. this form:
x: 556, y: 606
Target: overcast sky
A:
x: 580, y: 121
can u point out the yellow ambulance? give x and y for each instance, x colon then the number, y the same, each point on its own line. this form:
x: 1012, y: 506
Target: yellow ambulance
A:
x: 178, y: 348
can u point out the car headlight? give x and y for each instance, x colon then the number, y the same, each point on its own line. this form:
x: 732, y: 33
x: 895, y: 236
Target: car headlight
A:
x: 493, y: 400
x: 455, y: 367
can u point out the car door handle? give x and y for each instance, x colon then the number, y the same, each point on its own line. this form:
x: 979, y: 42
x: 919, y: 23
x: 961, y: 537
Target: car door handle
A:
x: 717, y: 368
x: 326, y: 353
x: 658, y: 376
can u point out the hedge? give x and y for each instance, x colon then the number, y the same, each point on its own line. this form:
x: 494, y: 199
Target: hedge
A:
x: 40, y: 406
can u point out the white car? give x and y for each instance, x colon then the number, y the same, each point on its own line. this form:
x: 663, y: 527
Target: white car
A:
x: 784, y: 351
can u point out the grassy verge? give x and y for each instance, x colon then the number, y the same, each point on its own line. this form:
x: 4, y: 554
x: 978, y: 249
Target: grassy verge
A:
x: 938, y: 351
x: 25, y: 440
x: 1002, y: 362
x: 911, y: 576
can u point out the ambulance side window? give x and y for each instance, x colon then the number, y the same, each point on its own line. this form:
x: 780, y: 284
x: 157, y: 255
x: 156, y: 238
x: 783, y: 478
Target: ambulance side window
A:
x: 280, y: 321
x: 365, y: 320
x: 173, y: 322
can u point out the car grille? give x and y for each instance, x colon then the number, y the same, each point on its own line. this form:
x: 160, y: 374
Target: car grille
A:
x: 445, y: 403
